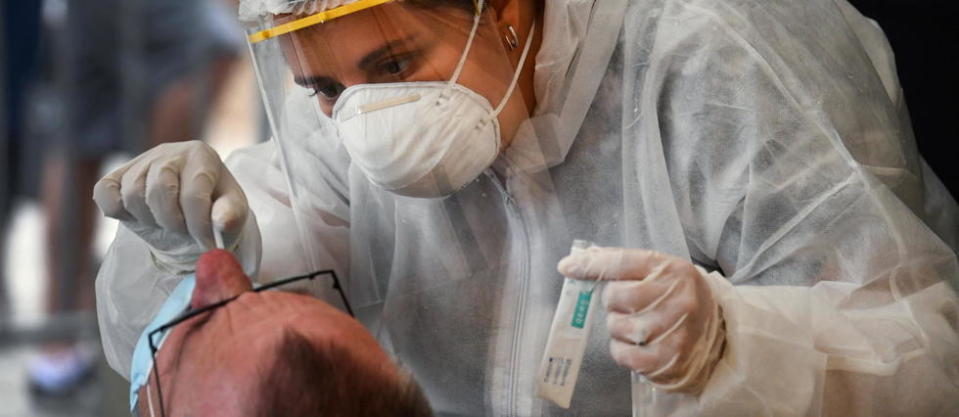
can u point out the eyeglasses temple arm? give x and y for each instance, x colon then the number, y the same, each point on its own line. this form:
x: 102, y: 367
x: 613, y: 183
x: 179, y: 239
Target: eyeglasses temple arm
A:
x: 156, y: 372
x: 339, y: 289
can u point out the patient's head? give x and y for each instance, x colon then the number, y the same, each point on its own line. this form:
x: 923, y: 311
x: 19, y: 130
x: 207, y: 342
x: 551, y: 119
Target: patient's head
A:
x: 273, y: 353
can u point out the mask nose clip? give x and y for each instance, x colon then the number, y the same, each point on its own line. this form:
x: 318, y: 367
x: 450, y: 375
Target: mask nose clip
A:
x: 387, y: 103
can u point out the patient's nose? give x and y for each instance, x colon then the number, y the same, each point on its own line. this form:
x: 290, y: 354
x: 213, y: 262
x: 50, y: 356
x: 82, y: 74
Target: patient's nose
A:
x: 218, y: 277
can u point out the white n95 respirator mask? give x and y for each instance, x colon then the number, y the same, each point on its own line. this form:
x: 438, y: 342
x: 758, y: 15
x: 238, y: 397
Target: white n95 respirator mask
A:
x: 432, y: 145
x: 422, y: 139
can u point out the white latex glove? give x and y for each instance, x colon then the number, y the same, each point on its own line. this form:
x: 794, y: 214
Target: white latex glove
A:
x: 662, y: 317
x: 173, y: 196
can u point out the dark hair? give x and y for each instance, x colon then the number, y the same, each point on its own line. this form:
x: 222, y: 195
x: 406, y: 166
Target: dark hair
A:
x: 305, y: 380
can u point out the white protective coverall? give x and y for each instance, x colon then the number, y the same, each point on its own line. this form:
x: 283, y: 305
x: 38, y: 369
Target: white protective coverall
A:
x: 767, y: 140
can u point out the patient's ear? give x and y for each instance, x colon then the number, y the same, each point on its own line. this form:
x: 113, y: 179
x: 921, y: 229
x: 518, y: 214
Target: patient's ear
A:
x: 218, y: 277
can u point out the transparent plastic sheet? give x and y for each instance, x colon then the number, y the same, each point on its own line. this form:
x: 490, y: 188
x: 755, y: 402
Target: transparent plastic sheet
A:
x: 282, y: 119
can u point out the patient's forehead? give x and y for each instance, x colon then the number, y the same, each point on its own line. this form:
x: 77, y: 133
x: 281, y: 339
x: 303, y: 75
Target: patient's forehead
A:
x: 256, y: 310
x: 213, y: 363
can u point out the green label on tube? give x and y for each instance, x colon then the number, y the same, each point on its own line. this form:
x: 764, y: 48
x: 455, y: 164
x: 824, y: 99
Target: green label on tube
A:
x: 582, y: 308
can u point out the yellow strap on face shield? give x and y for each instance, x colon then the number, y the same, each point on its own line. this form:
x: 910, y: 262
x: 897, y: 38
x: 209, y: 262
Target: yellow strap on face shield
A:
x: 314, y: 19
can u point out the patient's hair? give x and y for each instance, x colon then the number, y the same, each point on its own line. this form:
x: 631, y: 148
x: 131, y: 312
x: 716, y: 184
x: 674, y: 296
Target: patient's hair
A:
x: 305, y: 380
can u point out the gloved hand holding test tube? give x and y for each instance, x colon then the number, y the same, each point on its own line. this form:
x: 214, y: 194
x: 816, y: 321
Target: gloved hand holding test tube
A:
x: 664, y: 322
x: 182, y: 201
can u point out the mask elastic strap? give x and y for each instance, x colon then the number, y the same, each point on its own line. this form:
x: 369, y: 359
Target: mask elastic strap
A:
x: 469, y: 44
x: 517, y: 72
x: 150, y: 401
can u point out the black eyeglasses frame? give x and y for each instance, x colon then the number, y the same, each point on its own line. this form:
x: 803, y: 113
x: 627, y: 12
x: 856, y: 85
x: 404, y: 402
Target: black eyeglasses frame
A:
x: 188, y: 314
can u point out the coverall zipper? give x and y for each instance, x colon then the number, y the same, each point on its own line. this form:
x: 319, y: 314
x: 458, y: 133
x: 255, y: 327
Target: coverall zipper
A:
x: 520, y: 314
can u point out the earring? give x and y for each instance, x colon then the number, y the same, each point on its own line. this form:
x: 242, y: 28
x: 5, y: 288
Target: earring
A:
x: 510, y: 38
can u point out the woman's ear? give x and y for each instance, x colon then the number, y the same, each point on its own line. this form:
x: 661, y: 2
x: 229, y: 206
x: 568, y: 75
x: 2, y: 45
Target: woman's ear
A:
x: 507, y: 12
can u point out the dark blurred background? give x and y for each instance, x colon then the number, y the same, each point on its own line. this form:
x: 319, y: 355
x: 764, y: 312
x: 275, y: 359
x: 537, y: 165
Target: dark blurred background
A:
x: 87, y: 84
x: 925, y: 37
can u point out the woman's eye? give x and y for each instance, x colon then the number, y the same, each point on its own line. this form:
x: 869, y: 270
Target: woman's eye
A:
x: 396, y: 66
x: 328, y: 91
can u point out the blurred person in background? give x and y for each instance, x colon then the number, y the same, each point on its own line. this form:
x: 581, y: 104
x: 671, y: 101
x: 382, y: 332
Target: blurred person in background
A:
x: 132, y: 74
x: 21, y: 22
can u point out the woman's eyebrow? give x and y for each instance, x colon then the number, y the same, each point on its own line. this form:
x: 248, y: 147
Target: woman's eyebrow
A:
x: 383, y: 50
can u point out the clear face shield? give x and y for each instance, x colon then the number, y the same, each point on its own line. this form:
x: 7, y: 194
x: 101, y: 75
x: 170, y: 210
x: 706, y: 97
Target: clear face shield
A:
x: 420, y: 92
x: 420, y: 96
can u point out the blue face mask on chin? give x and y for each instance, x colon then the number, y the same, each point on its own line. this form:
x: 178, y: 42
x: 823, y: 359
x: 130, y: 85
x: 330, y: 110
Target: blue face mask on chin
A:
x: 142, y: 363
